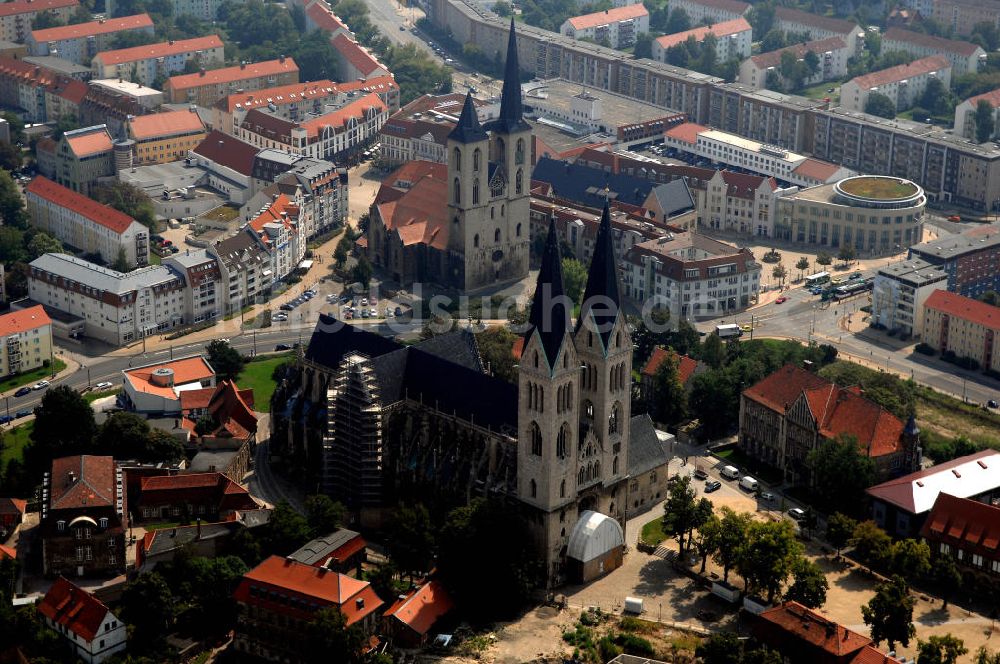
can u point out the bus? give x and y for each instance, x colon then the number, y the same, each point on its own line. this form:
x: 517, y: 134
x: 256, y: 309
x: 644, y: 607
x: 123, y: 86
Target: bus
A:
x: 817, y: 279
x: 853, y: 288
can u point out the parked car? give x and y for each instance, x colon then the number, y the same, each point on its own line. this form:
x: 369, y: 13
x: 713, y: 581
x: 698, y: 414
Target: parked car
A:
x: 712, y: 485
x: 104, y: 385
x: 6, y: 419
x: 767, y: 496
x: 282, y: 347
x: 700, y: 474
x: 781, y: 300
x: 21, y: 392
x: 992, y: 403
x: 797, y: 514
x: 286, y: 307
x: 41, y: 385
x: 954, y: 217
x: 22, y: 413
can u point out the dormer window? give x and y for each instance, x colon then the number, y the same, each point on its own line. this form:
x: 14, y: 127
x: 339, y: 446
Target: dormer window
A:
x: 104, y: 522
x: 61, y: 525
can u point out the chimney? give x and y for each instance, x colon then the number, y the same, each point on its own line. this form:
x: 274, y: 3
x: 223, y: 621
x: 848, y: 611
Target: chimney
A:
x: 70, y: 478
x: 281, y: 58
x: 243, y: 65
x: 201, y: 72
x: 171, y: 42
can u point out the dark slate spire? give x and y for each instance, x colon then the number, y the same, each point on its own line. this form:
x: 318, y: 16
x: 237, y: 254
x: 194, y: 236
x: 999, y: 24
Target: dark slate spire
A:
x: 549, y: 313
x: 468, y: 129
x: 602, y: 298
x: 511, y: 114
x: 911, y: 429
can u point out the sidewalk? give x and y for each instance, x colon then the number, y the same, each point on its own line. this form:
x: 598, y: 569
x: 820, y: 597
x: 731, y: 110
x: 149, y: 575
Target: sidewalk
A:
x: 72, y: 366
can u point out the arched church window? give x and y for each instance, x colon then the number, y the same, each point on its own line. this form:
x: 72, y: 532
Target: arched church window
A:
x: 536, y: 439
x: 581, y: 477
x: 518, y: 232
x: 518, y: 182
x: 613, y: 418
x: 475, y: 240
x: 597, y: 469
x: 562, y: 494
x: 569, y: 396
x: 614, y: 466
x: 457, y: 194
x: 456, y: 159
x: 536, y: 359
x: 618, y: 340
x: 534, y: 489
x: 561, y: 441
x: 501, y: 151
x: 475, y: 191
x: 496, y: 236
x: 476, y: 156
x: 519, y: 152
x: 492, y: 211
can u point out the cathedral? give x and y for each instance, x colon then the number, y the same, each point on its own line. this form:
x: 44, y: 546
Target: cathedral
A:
x: 468, y: 231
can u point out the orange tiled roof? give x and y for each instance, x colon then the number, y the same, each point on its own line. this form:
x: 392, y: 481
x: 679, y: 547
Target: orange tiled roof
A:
x: 90, y: 143
x: 74, y: 608
x: 99, y: 213
x: 83, y: 481
x: 7, y: 552
x: 419, y: 215
x: 613, y: 15
x: 966, y: 524
x: 816, y: 169
x: 324, y: 18
x: 814, y: 628
x: 421, y: 607
x: 338, y: 119
x: 191, y: 399
x: 779, y: 390
x: 28, y: 6
x: 919, y: 67
x: 357, y: 56
x: 687, y: 132
x: 13, y: 505
x: 23, y: 320
x: 232, y: 74
x: 993, y: 97
x: 92, y: 28
x: 843, y: 410
x: 685, y: 368
x: 186, y: 370
x: 721, y: 29
x: 160, y: 50
x: 281, y: 94
x: 964, y: 308
x: 170, y: 123
x: 230, y: 409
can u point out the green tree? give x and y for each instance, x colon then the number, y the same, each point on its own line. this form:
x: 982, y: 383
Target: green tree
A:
x: 945, y: 649
x: 163, y: 446
x: 43, y: 243
x: 147, y: 605
x: 679, y: 21
x: 847, y: 253
x: 11, y: 156
x: 767, y: 556
x: 809, y: 585
x: 720, y: 648
x: 889, y: 613
x: 947, y: 577
x: 824, y: 259
x: 841, y: 473
x: 12, y: 245
x: 871, y: 544
x: 226, y: 360
x: 121, y: 261
x: 708, y: 58
x: 63, y: 124
x: 324, y: 514
x: 990, y: 297
x: 643, y: 47
x: 342, y: 251
x: 880, y: 105
x: 985, y: 121
x: 713, y: 351
x: 839, y: 530
x: 286, y: 531
x: 46, y: 19
x: 123, y: 435
x: 910, y: 559
x: 729, y: 535
x: 411, y: 539
x: 779, y: 272
x: 12, y: 211
x: 383, y: 581
x: 802, y: 265
x: 669, y: 396
x: 502, y: 8
x: 762, y: 655
x: 761, y: 19
x: 206, y: 586
x: 129, y: 199
x: 683, y: 512
x: 713, y: 395
x: 984, y: 656
x: 328, y: 638
x: 362, y: 272
x: 495, y: 344
x: 574, y: 278
x: 937, y: 98
x: 773, y: 40
x: 50, y: 437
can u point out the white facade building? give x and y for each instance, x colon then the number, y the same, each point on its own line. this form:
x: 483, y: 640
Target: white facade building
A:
x: 965, y: 114
x: 900, y: 291
x: 144, y: 64
x: 965, y: 57
x: 833, y: 54
x: 617, y: 27
x: 788, y: 20
x: 903, y: 84
x: 733, y: 40
x: 711, y: 11
x: 93, y: 632
x: 80, y: 42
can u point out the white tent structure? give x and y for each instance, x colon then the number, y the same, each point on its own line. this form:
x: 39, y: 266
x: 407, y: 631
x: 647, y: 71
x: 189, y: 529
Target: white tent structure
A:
x: 596, y: 545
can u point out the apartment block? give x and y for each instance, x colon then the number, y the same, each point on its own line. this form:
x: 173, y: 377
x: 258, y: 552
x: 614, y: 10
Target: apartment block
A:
x: 78, y: 159
x: 207, y: 87
x: 962, y: 15
x: 971, y: 259
x: 16, y: 17
x: 25, y: 340
x: 79, y: 43
x: 85, y: 224
x: 899, y: 293
x: 323, y: 185
x: 617, y: 27
x: 41, y: 94
x: 788, y: 20
x: 963, y: 326
x: 965, y: 57
x: 164, y: 137
x: 246, y: 271
x: 733, y: 39
x: 146, y: 64
x: 903, y: 84
x: 203, y: 297
x: 711, y: 11
x: 278, y: 230
x: 833, y: 54
x: 965, y: 114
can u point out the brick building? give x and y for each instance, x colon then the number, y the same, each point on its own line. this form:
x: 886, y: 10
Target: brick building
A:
x: 968, y: 532
x: 963, y: 327
x: 209, y: 496
x: 803, y: 635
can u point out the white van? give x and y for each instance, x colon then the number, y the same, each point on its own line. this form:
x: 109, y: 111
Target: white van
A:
x: 730, y: 472
x: 748, y: 484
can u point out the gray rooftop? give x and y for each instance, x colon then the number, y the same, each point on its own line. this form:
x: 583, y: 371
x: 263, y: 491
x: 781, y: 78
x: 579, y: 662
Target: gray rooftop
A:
x: 61, y: 65
x: 278, y: 156
x: 953, y: 246
x: 321, y: 547
x: 154, y: 178
x: 103, y: 278
x: 191, y: 258
x: 171, y: 539
x: 212, y: 461
x: 914, y: 272
x: 645, y: 449
x: 921, y: 130
x: 557, y: 95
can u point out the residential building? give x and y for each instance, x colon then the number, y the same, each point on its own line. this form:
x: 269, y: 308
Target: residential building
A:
x: 105, y: 304
x: 963, y: 327
x: 419, y: 130
x: 296, y: 101
x: 874, y: 214
x: 93, y: 632
x: 209, y: 496
x: 205, y: 10
x: 793, y: 411
x: 617, y: 27
x: 115, y: 108
x: 155, y: 389
x: 277, y: 229
x: 246, y: 271
x: 16, y: 18
x: 84, y: 517
x: 965, y: 57
x: 342, y: 551
x: 691, y: 276
x: 726, y: 149
x: 649, y: 452
x: 279, y: 597
x: 79, y: 159
x: 902, y: 84
x: 153, y: 62
x: 148, y: 98
x: 971, y: 259
x: 58, y: 66
x: 163, y: 545
x: 320, y: 185
x: 410, y: 619
x: 86, y: 225
x: 356, y: 62
x: 41, y: 94
x: 203, y: 296
x: 80, y: 42
x: 733, y: 40
x: 164, y: 137
x: 901, y: 506
x: 965, y: 114
x: 832, y: 52
x: 337, y: 134
x: 899, y: 293
x: 803, y: 635
x: 687, y: 368
x: 207, y: 87
x: 11, y: 515
x: 816, y: 26
x: 224, y: 429
x: 707, y: 12
x: 965, y: 531
x: 319, y: 16
x: 25, y: 344
x: 962, y: 15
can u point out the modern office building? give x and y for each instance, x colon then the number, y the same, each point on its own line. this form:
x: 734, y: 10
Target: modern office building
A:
x: 899, y: 293
x: 971, y: 259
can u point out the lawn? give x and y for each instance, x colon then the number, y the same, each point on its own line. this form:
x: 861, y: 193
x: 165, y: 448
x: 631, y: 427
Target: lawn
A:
x: 222, y: 213
x: 14, y: 442
x: 93, y: 396
x: 652, y: 532
x: 32, y: 376
x: 256, y: 375
x: 819, y: 91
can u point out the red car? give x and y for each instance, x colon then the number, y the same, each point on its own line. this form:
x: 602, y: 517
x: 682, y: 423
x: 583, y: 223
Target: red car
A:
x: 781, y: 300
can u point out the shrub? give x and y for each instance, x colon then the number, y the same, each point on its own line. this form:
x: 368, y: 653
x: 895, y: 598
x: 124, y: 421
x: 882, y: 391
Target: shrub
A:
x: 924, y: 349
x: 771, y: 257
x: 635, y: 645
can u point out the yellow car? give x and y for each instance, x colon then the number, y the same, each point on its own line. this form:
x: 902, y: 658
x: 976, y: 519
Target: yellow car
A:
x: 746, y: 327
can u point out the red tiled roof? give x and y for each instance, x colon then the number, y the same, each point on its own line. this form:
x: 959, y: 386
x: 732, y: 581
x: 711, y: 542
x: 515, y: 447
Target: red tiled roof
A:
x: 169, y: 123
x: 745, y: 185
x: 355, y: 599
x: 722, y: 29
x: 779, y: 390
x: 186, y: 370
x: 184, y: 481
x: 840, y: 410
x: 26, y: 6
x: 89, y: 143
x: 324, y: 18
x: 103, y: 215
x: 338, y: 119
x: 7, y: 552
x: 69, y: 89
x: 687, y: 132
x: 22, y: 320
x: 13, y: 505
x: 993, y: 97
x: 192, y: 399
x: 919, y: 67
x: 418, y: 216
x: 229, y: 408
x: 160, y: 50
x: 966, y: 524
x: 232, y: 74
x: 613, y: 15
x: 92, y: 482
x: 421, y: 607
x: 811, y: 627
x: 964, y: 308
x: 685, y: 368
x: 227, y: 151
x: 92, y: 28
x: 357, y: 56
x: 74, y: 608
x: 872, y: 655
x: 818, y: 46
x: 279, y: 95
x: 939, y: 44
x: 835, y: 25
x: 816, y: 169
